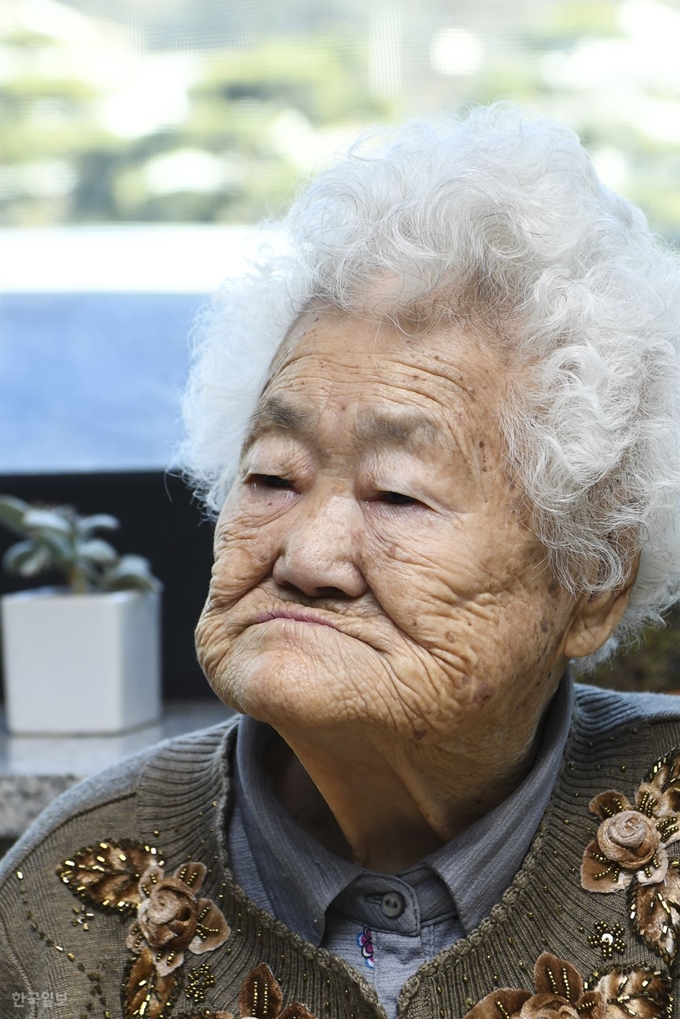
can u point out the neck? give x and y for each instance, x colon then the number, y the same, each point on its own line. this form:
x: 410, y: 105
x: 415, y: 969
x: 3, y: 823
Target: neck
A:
x: 386, y: 803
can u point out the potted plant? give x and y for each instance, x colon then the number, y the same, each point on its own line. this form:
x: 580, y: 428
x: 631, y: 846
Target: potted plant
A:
x: 83, y: 658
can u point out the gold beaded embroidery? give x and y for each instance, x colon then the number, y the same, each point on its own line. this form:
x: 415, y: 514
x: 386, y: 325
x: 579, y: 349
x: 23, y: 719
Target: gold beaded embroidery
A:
x: 631, y: 850
x: 608, y: 938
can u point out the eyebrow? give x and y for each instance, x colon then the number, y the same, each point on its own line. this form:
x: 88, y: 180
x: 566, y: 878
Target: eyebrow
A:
x: 407, y: 429
x: 399, y: 429
x: 275, y: 415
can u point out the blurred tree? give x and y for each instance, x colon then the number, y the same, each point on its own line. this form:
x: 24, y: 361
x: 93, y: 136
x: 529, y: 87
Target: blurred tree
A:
x: 49, y: 130
x: 277, y: 86
x: 255, y: 118
x: 264, y: 114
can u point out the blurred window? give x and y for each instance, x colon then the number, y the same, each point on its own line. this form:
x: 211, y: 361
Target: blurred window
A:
x: 139, y: 139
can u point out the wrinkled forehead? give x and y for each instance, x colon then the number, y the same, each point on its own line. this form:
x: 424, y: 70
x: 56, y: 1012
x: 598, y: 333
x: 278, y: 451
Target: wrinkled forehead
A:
x: 384, y: 426
x: 399, y: 390
x: 466, y: 345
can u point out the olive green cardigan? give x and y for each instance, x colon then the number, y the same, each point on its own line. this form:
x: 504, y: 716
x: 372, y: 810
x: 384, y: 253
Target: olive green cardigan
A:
x: 119, y: 901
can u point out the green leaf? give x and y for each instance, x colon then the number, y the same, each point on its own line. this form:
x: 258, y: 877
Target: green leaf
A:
x: 131, y: 571
x: 98, y: 522
x: 132, y: 582
x: 135, y: 564
x: 59, y: 547
x: 12, y: 512
x: 39, y: 552
x: 16, y: 555
x: 47, y: 520
x: 39, y: 561
x: 97, y: 551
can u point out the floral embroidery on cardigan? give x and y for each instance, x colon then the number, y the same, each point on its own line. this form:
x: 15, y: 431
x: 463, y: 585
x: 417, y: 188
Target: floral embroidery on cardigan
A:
x: 171, y: 919
x: 631, y: 850
x: 608, y: 938
x: 107, y: 875
x: 365, y: 943
x: 260, y: 997
x: 560, y: 993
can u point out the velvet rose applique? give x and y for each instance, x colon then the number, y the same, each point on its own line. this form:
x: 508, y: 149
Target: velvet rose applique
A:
x: 561, y: 994
x: 171, y: 919
x: 260, y: 997
x: 631, y: 850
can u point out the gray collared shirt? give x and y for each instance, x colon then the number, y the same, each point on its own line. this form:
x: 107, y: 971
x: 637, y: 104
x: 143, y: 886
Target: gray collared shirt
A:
x: 385, y: 925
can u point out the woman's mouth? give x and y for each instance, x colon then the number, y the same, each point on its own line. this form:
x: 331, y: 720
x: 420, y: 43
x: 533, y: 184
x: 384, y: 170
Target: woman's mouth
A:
x: 299, y: 615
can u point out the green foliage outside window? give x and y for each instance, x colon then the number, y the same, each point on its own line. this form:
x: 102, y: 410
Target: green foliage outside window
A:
x: 273, y: 90
x: 240, y: 111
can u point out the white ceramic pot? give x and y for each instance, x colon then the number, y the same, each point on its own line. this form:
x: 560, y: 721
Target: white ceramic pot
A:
x: 81, y: 663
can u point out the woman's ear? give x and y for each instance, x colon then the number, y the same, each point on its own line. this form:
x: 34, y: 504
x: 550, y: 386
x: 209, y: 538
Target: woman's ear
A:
x: 596, y: 617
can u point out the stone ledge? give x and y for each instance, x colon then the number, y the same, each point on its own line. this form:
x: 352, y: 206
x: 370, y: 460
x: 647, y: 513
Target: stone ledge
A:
x: 34, y: 770
x: 23, y: 797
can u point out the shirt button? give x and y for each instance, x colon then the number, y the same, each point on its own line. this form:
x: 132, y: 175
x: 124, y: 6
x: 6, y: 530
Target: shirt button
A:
x: 392, y: 904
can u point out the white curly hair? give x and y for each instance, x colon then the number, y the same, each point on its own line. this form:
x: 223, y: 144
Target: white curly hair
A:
x: 499, y: 216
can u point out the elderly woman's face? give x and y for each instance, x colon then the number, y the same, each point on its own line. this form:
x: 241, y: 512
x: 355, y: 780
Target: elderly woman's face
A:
x: 373, y: 562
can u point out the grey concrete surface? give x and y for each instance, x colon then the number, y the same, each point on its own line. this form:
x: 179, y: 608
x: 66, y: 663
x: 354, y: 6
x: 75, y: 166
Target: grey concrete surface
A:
x: 36, y: 769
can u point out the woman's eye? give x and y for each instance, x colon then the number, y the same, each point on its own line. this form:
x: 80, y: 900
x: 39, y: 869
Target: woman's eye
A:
x: 270, y: 481
x: 397, y: 499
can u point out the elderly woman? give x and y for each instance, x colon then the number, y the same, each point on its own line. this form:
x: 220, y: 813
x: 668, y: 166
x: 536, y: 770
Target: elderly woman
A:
x: 457, y: 412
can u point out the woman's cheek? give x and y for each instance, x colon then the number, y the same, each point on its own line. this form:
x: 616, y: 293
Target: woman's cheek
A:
x: 433, y: 559
x: 244, y: 554
x: 212, y: 644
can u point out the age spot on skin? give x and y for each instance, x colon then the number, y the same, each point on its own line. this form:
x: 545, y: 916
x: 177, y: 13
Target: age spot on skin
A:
x: 545, y: 625
x: 461, y: 680
x: 483, y: 693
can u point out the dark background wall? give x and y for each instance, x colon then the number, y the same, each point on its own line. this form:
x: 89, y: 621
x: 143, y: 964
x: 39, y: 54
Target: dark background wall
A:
x: 160, y: 520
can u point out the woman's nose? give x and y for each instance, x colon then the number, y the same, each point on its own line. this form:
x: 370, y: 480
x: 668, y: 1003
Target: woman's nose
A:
x: 318, y: 552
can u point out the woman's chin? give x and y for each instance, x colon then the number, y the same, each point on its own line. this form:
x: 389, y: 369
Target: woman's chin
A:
x: 285, y: 688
